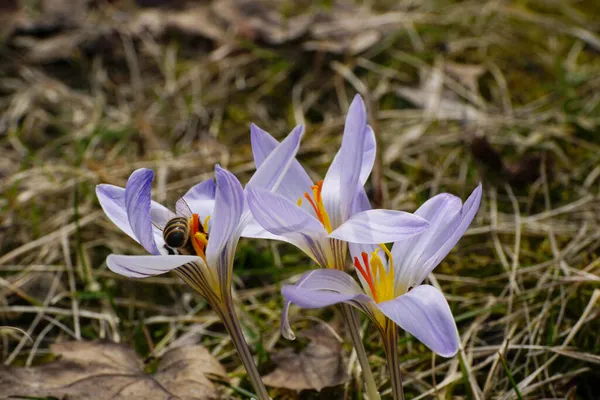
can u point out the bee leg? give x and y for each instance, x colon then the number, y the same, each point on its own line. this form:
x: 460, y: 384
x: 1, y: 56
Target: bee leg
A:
x: 170, y: 250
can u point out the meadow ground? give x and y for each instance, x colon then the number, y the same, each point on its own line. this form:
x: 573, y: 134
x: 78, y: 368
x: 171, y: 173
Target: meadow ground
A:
x: 507, y: 93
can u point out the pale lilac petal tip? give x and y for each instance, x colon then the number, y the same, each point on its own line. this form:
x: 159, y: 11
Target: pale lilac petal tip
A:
x: 369, y: 154
x: 295, y: 181
x: 380, y: 226
x: 452, y: 233
x: 145, y: 266
x: 138, y: 203
x: 112, y: 201
x: 275, y: 166
x: 279, y: 215
x: 229, y: 205
x: 321, y: 288
x: 285, y: 328
x: 425, y: 313
x: 200, y: 199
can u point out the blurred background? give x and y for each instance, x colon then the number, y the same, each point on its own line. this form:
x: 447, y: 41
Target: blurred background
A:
x: 503, y: 92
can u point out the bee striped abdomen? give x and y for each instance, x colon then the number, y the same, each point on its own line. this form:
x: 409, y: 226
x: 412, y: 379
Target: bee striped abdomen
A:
x: 176, y: 232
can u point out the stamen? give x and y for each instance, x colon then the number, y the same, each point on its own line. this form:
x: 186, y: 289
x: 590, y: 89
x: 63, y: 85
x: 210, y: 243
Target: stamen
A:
x: 391, y: 279
x: 199, y: 245
x: 198, y: 235
x: 317, y: 205
x: 201, y: 238
x: 366, y: 276
x: 379, y: 270
x: 299, y: 202
x: 380, y: 281
x: 365, y: 258
x: 312, y: 203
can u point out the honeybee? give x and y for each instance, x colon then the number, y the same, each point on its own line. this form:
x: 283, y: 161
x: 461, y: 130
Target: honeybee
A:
x: 179, y: 228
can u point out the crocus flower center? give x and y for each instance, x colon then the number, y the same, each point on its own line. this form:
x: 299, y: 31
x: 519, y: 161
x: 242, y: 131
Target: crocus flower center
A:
x: 316, y: 201
x: 199, y: 234
x: 380, y: 281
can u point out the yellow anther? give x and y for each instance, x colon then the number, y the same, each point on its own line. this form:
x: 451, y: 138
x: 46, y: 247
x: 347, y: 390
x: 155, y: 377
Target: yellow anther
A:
x: 205, y: 223
x: 316, y: 201
x: 383, y: 280
x: 390, y: 273
x: 201, y: 237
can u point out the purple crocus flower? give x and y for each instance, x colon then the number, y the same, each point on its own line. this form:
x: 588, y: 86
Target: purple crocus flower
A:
x: 218, y: 211
x: 391, y: 280
x: 198, y: 240
x: 321, y: 218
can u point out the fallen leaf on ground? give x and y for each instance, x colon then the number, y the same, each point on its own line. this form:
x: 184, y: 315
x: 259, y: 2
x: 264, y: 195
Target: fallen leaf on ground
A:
x: 319, y: 365
x: 104, y: 370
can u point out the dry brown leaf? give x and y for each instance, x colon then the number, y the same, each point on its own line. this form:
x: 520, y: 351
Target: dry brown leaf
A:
x: 319, y: 365
x: 104, y: 370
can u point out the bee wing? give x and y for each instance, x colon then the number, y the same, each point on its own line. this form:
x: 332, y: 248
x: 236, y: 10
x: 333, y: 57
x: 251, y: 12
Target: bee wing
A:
x: 161, y: 216
x: 183, y: 209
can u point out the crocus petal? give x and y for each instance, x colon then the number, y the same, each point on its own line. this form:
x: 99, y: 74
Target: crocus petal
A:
x: 278, y: 215
x: 361, y: 203
x: 448, y: 222
x: 200, y: 199
x: 467, y: 213
x: 440, y: 210
x: 273, y: 168
x: 144, y: 266
x: 380, y: 226
x: 254, y: 230
x: 138, y: 204
x: 369, y: 153
x: 296, y: 181
x: 160, y: 215
x: 321, y: 288
x: 229, y: 205
x: 425, y: 313
x: 112, y: 201
x: 344, y: 172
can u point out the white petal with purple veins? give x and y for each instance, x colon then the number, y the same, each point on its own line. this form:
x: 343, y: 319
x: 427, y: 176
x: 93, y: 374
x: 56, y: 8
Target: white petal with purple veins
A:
x: 145, y: 266
x: 296, y: 181
x: 138, y: 203
x: 343, y: 176
x: 425, y: 313
x: 200, y: 199
x: 273, y: 168
x: 229, y: 205
x: 380, y: 226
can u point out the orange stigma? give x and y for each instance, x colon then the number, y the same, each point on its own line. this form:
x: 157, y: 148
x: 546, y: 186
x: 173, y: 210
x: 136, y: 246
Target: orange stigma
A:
x: 199, y: 235
x: 316, y: 201
x: 380, y: 281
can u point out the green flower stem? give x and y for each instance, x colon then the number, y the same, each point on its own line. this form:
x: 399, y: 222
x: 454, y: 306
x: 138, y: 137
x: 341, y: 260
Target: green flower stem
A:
x: 389, y: 334
x: 353, y: 325
x: 231, y: 322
